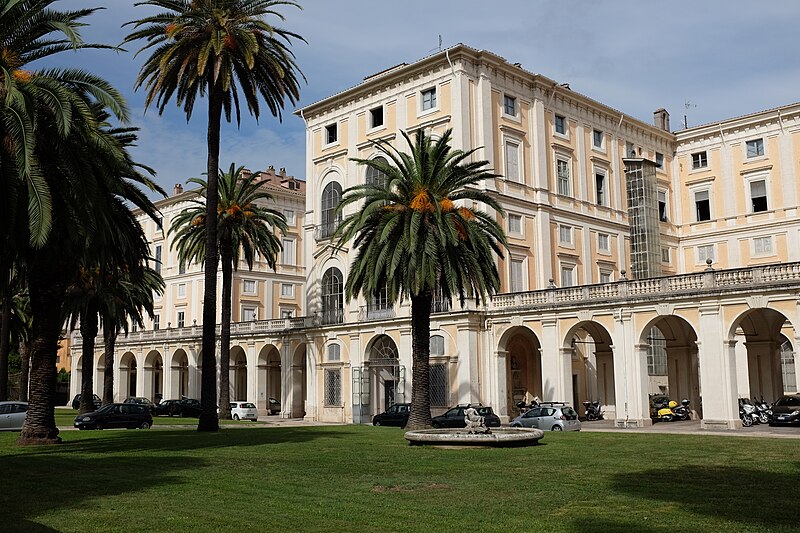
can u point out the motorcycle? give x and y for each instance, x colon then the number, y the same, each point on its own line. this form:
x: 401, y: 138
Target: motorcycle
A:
x: 593, y: 411
x: 744, y: 416
x: 667, y: 412
x: 750, y: 409
x: 764, y: 411
x: 525, y: 407
x: 681, y: 411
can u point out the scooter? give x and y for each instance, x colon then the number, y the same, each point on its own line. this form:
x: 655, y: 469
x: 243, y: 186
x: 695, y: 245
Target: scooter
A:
x: 667, y: 414
x: 681, y: 411
x: 593, y: 411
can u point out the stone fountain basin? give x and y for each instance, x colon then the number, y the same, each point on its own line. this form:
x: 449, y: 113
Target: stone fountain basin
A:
x: 498, y: 438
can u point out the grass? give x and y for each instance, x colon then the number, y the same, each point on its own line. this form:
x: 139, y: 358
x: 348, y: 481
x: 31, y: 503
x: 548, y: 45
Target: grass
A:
x: 66, y: 417
x: 358, y: 478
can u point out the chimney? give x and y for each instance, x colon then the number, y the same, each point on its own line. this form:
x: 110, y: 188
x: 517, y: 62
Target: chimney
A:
x: 271, y: 170
x: 283, y: 172
x: 177, y: 189
x: 661, y: 119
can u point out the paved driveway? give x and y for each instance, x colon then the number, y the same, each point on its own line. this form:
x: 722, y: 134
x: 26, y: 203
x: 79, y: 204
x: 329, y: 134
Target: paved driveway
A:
x: 693, y: 427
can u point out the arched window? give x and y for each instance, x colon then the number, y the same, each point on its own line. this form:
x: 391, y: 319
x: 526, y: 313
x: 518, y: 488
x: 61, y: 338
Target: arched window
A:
x: 332, y: 297
x: 437, y: 345
x: 375, y: 176
x: 334, y: 352
x: 384, y: 349
x: 331, y: 196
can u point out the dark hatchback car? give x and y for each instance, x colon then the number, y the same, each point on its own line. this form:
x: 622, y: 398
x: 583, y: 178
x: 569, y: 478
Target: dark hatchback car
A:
x: 141, y: 401
x: 786, y: 410
x: 454, y: 417
x: 116, y: 415
x: 76, y: 401
x: 396, y: 415
x: 190, y: 408
x: 168, y: 408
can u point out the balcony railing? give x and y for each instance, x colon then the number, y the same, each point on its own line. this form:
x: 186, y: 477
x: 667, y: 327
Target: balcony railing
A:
x: 325, y: 231
x: 375, y: 312
x: 332, y: 316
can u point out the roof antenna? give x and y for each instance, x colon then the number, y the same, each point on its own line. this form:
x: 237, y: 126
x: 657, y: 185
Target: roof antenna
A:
x: 440, y: 45
x: 686, y: 105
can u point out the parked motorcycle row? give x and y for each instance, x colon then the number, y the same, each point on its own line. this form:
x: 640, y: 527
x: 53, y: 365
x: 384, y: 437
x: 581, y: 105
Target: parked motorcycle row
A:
x: 592, y: 409
x: 662, y: 409
x: 754, y: 411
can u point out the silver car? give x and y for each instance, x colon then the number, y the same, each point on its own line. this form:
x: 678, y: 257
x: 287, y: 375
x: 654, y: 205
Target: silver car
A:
x: 12, y: 415
x: 549, y: 416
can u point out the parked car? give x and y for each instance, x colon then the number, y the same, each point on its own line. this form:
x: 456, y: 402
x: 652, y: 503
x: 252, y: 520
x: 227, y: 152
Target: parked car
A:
x: 12, y: 415
x: 274, y: 406
x: 116, y: 415
x: 76, y: 401
x: 553, y: 416
x: 190, y: 408
x: 396, y: 415
x: 168, y: 408
x: 454, y: 417
x: 244, y: 411
x: 786, y: 410
x: 141, y: 401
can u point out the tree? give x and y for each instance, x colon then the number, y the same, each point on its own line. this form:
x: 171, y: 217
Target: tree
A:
x: 216, y: 49
x: 420, y: 235
x: 244, y: 229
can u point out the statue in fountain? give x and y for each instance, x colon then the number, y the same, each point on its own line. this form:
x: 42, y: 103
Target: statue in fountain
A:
x: 474, y: 421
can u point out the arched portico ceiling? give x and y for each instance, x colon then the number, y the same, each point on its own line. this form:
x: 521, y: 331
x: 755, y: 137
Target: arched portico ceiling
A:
x: 676, y: 330
x: 152, y: 357
x: 127, y: 359
x: 299, y: 356
x: 267, y: 353
x: 238, y: 355
x: 597, y: 331
x: 759, y: 324
x: 514, y: 331
x: 179, y: 356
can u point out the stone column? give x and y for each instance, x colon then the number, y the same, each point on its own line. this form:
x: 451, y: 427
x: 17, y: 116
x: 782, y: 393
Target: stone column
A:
x: 252, y: 372
x: 632, y: 405
x: 500, y: 399
x: 194, y: 374
x: 717, y: 372
x: 556, y: 371
x: 312, y: 362
x: 467, y: 377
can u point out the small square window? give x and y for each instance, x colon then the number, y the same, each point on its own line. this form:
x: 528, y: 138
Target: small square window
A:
x: 755, y: 148
x: 331, y: 133
x: 515, y: 223
x: 659, y: 160
x: 429, y: 99
x: 181, y: 290
x: 605, y: 277
x: 510, y: 105
x: 249, y: 286
x: 567, y: 275
x: 561, y: 125
x: 249, y: 314
x: 597, y: 138
x: 699, y: 160
x: 762, y: 245
x: 603, y: 242
x: 565, y: 234
x: 287, y: 290
x: 758, y: 196
x: 376, y: 117
x: 704, y: 253
x: 290, y: 217
x: 702, y: 206
x: 286, y: 313
x: 334, y: 352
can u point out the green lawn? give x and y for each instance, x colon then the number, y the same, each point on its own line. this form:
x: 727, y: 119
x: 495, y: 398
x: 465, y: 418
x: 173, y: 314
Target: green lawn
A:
x: 66, y: 417
x: 359, y: 478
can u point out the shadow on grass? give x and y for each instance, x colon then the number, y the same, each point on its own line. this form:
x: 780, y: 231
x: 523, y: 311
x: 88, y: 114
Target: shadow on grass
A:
x: 732, y: 493
x: 32, y: 489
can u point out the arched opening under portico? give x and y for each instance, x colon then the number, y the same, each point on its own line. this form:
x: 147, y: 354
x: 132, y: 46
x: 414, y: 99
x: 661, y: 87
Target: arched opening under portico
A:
x: 127, y: 375
x: 238, y: 374
x: 153, y: 376
x: 269, y: 377
x: 592, y: 358
x: 385, y: 374
x: 296, y: 395
x: 179, y: 368
x: 523, y: 356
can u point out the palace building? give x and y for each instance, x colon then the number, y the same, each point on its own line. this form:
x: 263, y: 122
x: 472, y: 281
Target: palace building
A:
x: 641, y: 261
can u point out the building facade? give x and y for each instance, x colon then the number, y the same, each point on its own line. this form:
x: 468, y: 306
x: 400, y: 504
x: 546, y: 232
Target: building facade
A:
x: 640, y: 261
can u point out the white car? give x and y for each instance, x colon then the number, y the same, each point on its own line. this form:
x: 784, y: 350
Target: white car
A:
x: 12, y: 415
x: 244, y: 411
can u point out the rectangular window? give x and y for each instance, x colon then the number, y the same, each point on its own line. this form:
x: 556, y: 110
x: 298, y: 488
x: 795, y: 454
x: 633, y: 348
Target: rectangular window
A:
x: 333, y: 387
x: 699, y: 160
x: 567, y: 275
x: 376, y: 117
x: 565, y: 234
x: 597, y: 138
x: 755, y: 148
x: 605, y: 277
x: 659, y: 160
x: 600, y: 185
x: 249, y: 314
x: 705, y: 253
x: 630, y: 150
x: 762, y: 245
x: 517, y: 275
x: 331, y: 133
x: 428, y: 99
x: 512, y: 161
x: 290, y: 218
x: 156, y: 322
x: 561, y: 125
x: 249, y: 286
x: 510, y: 105
x: 603, y: 242
x: 562, y: 176
x: 702, y: 206
x: 758, y: 195
x: 438, y: 385
x: 287, y: 313
x: 665, y: 255
x: 287, y: 254
x: 181, y: 318
x: 287, y: 290
x: 662, y: 206
x: 514, y: 223
x: 334, y: 352
x: 181, y: 290
x: 157, y: 259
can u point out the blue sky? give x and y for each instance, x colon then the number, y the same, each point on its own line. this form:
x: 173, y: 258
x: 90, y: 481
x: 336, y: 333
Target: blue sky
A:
x: 724, y: 57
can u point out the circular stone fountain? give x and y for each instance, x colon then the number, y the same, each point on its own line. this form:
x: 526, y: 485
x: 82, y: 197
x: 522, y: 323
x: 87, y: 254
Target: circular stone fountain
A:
x: 496, y: 438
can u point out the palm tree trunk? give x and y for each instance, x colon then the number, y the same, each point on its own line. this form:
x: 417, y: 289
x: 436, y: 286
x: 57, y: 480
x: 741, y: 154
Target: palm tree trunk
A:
x: 47, y: 287
x: 5, y: 335
x: 208, y: 420
x: 225, y: 332
x: 24, y: 370
x: 88, y: 334
x: 420, y: 416
x: 109, y: 341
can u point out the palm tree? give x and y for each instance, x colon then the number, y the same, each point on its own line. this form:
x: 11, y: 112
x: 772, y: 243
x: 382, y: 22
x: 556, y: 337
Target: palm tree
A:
x: 217, y: 49
x: 244, y: 228
x: 420, y: 235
